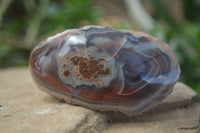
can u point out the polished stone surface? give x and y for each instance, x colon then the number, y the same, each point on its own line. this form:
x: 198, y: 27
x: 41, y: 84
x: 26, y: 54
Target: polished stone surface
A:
x: 105, y: 69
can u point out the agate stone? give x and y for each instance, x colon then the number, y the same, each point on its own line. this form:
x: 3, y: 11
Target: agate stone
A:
x: 105, y: 69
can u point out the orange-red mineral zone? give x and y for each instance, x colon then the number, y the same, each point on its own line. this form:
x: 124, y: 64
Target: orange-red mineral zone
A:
x: 105, y: 69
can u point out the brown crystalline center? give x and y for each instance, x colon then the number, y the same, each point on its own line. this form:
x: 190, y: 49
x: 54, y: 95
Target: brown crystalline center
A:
x: 89, y: 67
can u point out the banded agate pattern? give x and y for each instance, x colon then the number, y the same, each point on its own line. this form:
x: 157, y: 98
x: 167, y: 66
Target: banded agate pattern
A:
x: 105, y: 69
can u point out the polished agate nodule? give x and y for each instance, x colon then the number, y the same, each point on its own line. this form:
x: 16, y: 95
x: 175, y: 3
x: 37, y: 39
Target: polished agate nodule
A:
x: 105, y: 69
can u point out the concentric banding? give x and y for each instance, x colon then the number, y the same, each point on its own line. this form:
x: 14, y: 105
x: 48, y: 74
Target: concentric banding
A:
x: 105, y: 69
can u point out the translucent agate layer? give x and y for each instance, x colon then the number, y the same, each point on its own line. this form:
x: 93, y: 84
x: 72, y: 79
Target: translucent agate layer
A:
x: 105, y: 69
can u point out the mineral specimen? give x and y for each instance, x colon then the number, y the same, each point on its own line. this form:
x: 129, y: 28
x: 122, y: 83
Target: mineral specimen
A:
x: 105, y: 69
